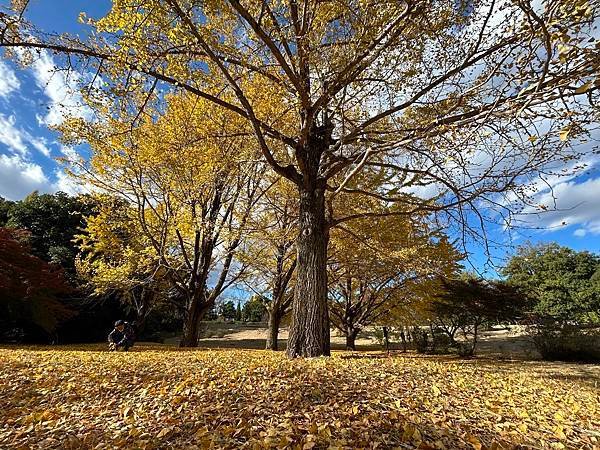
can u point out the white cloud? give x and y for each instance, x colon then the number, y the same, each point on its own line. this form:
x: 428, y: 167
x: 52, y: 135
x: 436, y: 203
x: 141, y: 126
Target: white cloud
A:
x: 40, y: 144
x: 19, y: 140
x: 9, y: 82
x: 11, y: 136
x: 429, y: 191
x: 19, y: 178
x: 69, y: 152
x: 61, y: 89
x: 66, y: 184
x: 576, y: 204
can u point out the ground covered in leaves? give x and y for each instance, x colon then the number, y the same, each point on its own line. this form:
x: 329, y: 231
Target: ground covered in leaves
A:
x: 157, y: 397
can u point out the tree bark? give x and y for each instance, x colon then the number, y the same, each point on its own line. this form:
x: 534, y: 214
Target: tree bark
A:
x: 274, y: 322
x: 403, y: 338
x: 309, y: 331
x: 475, y: 329
x: 386, y: 339
x: 351, y: 334
x: 142, y: 310
x: 191, y: 325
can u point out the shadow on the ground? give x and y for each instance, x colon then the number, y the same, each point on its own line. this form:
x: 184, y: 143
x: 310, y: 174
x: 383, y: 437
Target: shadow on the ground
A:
x: 258, y: 344
x: 358, y: 355
x: 254, y: 344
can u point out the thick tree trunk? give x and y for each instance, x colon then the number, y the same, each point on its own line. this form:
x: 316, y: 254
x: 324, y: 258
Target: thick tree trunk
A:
x: 191, y: 325
x: 309, y: 331
x: 274, y: 322
x: 351, y: 334
x: 189, y: 337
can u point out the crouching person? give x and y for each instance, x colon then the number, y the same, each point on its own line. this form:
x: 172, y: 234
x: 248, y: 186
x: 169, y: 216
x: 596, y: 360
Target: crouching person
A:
x: 123, y: 336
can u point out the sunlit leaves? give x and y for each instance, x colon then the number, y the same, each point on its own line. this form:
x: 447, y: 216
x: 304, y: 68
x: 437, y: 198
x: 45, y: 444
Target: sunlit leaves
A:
x: 157, y: 398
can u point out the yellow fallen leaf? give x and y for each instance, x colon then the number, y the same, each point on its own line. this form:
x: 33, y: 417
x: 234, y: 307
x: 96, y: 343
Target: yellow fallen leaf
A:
x: 164, y: 432
x: 417, y: 435
x: 476, y: 443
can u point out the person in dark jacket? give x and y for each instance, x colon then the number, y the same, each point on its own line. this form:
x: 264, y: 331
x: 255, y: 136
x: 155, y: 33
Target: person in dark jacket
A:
x: 123, y: 336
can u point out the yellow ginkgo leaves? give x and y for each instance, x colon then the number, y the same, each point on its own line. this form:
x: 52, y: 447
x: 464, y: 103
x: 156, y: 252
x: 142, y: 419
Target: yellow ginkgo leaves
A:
x: 156, y: 397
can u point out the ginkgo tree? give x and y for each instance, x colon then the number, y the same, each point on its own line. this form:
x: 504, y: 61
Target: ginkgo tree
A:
x: 190, y: 189
x: 468, y: 102
x: 378, y: 266
x: 268, y: 252
x: 116, y: 257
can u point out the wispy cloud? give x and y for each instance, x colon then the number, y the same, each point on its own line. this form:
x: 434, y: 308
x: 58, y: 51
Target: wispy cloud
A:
x: 12, y: 136
x: 41, y: 145
x: 18, y: 140
x: 9, y: 82
x: 65, y: 183
x: 61, y: 88
x: 21, y: 171
x: 577, y: 204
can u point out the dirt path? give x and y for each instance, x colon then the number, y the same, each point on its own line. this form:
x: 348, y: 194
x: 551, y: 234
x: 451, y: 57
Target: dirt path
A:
x: 511, y: 343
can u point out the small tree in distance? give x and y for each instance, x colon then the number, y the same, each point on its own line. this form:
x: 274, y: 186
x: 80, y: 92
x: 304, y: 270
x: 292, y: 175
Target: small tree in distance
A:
x: 227, y: 310
x: 564, y: 286
x: 254, y: 309
x: 270, y: 255
x: 238, y: 311
x: 561, y: 281
x: 463, y: 305
x: 375, y: 266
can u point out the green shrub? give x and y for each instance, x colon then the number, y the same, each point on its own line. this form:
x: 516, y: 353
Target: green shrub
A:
x: 567, y: 343
x: 441, y: 343
x: 421, y: 341
x: 465, y: 349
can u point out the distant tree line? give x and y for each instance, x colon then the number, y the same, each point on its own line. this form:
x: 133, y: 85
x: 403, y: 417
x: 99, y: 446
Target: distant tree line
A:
x: 42, y: 298
x: 71, y: 265
x: 551, y: 291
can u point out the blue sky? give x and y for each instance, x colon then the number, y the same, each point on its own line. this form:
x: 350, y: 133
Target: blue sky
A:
x: 32, y: 100
x: 35, y: 98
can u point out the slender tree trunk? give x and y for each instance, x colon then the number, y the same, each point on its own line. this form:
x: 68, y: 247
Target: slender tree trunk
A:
x: 274, y: 321
x: 309, y: 331
x: 386, y: 339
x: 403, y: 338
x: 142, y: 311
x: 140, y: 324
x: 475, y: 336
